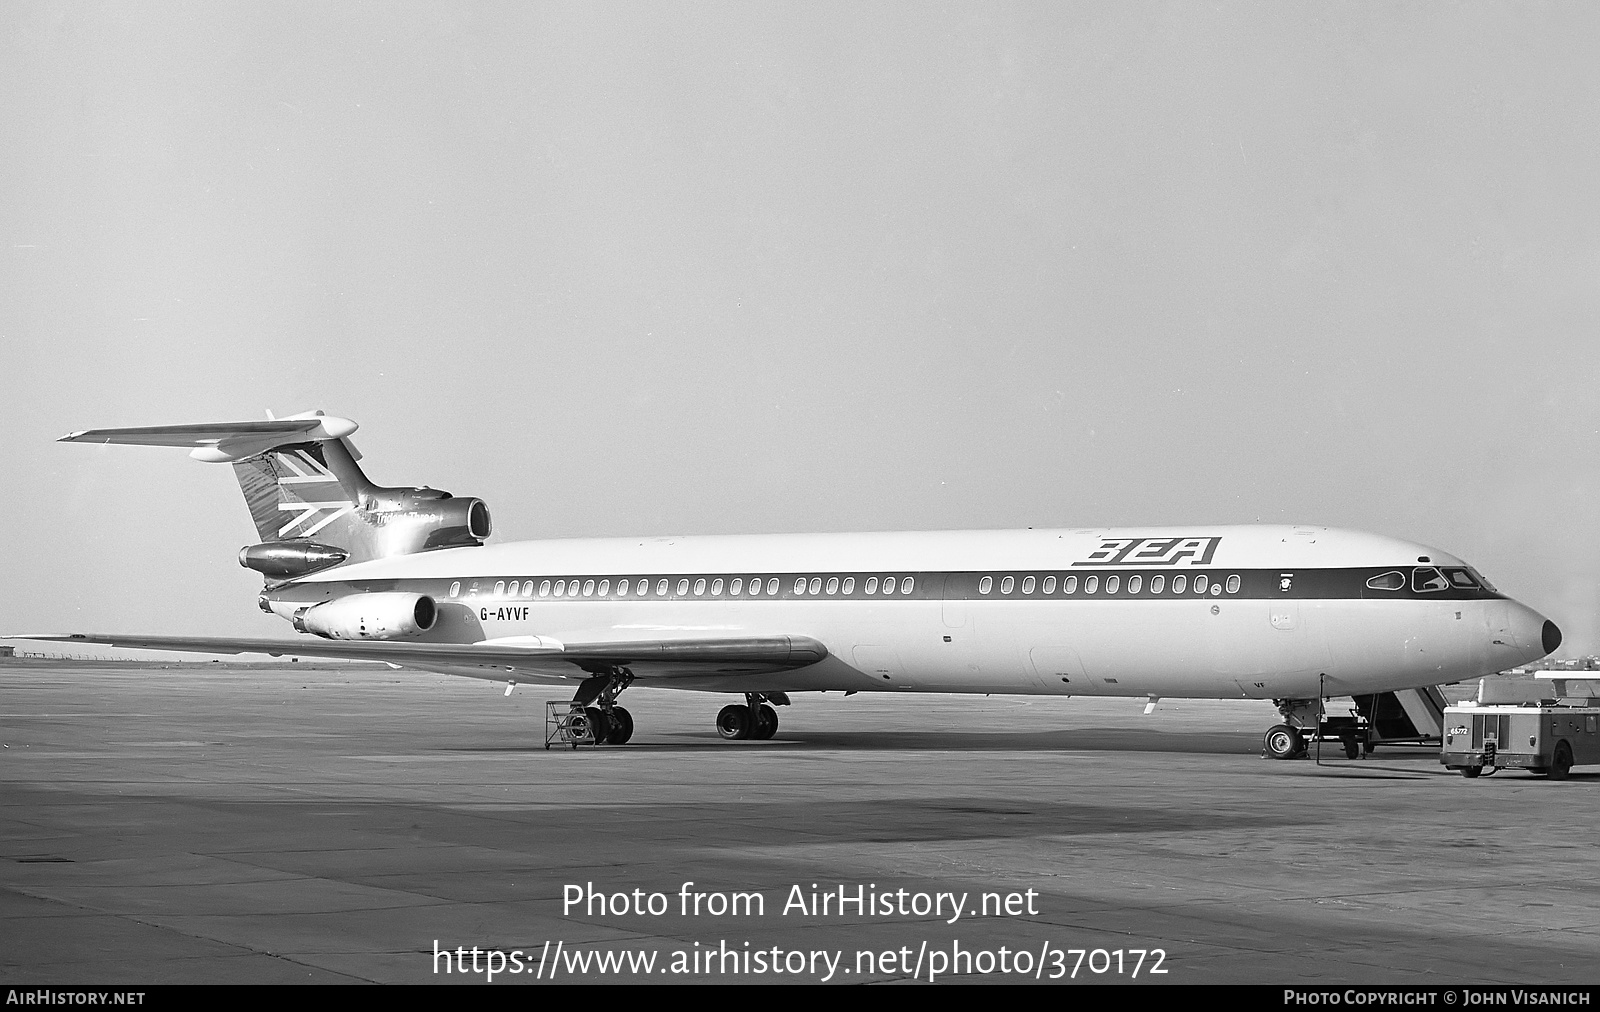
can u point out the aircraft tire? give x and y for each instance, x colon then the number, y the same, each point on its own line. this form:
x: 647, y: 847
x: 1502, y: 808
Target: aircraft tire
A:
x: 733, y: 722
x: 1471, y: 771
x: 621, y: 726
x: 1352, y: 748
x: 1561, y: 762
x: 599, y: 725
x: 1283, y: 742
x: 766, y: 723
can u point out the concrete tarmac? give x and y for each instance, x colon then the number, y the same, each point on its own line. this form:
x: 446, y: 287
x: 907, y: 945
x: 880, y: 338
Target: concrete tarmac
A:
x: 230, y: 824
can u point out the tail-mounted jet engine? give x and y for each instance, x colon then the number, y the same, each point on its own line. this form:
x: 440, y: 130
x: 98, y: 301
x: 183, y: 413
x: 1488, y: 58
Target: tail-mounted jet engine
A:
x: 289, y: 560
x: 385, y: 616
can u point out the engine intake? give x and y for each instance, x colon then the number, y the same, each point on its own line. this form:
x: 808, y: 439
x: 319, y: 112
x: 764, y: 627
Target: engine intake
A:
x: 384, y: 616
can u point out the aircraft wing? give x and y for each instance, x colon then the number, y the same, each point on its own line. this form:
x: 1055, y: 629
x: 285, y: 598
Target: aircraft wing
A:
x: 647, y: 659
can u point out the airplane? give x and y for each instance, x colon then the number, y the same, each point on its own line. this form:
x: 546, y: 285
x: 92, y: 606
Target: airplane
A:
x: 1292, y: 614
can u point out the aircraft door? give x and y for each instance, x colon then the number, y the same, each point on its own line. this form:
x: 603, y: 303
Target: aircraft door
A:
x: 955, y: 601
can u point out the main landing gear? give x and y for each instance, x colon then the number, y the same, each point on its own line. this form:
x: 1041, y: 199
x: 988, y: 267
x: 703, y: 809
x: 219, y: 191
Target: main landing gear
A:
x: 602, y: 721
x: 752, y: 719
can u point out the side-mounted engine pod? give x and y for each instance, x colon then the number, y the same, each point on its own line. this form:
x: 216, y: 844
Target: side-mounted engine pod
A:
x: 286, y: 560
x: 384, y: 616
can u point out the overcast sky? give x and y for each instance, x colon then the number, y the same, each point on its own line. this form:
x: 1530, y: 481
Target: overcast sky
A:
x: 706, y: 268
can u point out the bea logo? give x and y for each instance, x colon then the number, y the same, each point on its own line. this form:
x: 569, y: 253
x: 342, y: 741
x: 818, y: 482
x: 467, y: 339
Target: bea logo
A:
x: 1152, y: 552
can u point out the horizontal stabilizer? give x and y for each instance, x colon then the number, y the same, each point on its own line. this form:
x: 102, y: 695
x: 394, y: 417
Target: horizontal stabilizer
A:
x: 733, y: 655
x: 222, y: 442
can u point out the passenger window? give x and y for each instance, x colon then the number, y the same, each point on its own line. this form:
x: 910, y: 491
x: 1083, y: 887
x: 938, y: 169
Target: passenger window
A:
x: 872, y: 585
x: 816, y: 585
x: 800, y: 585
x: 1178, y: 582
x: 736, y: 586
x: 1233, y: 584
x: 849, y: 584
x: 511, y: 591
x: 683, y: 587
x: 1134, y: 583
x: 605, y: 587
x: 1111, y: 584
x: 1069, y: 585
x: 833, y: 585
x: 772, y: 586
x: 561, y: 587
x: 699, y: 586
x: 472, y: 589
x: 588, y: 588
x: 661, y: 588
x: 1426, y: 580
x: 888, y: 585
x: 544, y: 589
x: 1388, y: 581
x: 622, y: 588
x: 499, y: 588
x: 1200, y: 584
x: 1006, y: 585
x: 907, y: 584
x: 716, y: 588
x: 1157, y: 583
x: 455, y: 588
x: 1049, y: 585
x: 1027, y: 584
x: 1091, y: 584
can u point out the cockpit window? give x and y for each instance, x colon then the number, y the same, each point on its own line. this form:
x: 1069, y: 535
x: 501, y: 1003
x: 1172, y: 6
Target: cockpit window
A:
x: 1461, y: 579
x: 1426, y: 580
x: 1485, y: 584
x: 1388, y: 581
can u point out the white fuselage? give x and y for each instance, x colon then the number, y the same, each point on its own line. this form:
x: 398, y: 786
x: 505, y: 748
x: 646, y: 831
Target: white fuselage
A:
x: 1285, y: 611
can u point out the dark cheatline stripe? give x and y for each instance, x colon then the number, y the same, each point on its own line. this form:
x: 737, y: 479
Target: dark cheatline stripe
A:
x: 1253, y: 584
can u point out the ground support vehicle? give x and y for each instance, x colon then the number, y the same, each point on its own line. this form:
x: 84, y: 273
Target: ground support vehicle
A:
x: 1548, y: 737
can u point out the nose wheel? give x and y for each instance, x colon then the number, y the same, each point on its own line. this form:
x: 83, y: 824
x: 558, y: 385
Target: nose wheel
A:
x: 1283, y: 742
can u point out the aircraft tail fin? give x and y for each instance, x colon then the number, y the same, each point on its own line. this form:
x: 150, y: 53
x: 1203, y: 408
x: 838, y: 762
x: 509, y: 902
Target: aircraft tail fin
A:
x: 312, y: 505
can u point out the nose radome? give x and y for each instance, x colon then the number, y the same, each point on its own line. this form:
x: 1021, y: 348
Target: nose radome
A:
x: 1551, y: 636
x: 1533, y: 634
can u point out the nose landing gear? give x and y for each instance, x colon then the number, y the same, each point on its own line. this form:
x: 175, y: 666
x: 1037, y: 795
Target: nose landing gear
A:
x: 1288, y: 740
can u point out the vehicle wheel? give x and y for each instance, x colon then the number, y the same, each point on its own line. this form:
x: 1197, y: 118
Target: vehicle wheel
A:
x: 733, y: 721
x: 1471, y: 772
x: 766, y: 723
x: 599, y: 725
x: 1561, y: 762
x: 1352, y: 748
x: 1283, y: 742
x: 621, y: 726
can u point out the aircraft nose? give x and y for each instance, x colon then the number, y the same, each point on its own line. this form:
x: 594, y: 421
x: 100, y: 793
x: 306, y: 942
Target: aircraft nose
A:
x: 1532, y: 632
x: 1551, y: 635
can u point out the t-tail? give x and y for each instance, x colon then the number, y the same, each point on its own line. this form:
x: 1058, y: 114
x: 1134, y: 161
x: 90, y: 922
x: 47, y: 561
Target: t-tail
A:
x: 312, y: 505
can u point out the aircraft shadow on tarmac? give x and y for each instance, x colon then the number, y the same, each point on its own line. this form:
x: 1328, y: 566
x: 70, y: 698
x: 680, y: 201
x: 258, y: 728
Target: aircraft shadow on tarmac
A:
x: 1075, y: 740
